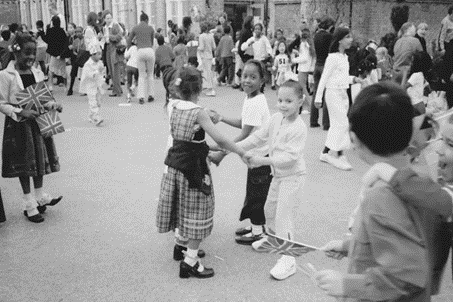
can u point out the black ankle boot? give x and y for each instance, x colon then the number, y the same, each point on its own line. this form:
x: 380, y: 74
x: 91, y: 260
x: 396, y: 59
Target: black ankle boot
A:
x: 178, y: 254
x: 185, y: 271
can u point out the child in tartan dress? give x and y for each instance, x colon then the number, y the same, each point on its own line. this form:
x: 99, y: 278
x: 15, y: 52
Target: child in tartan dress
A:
x: 26, y: 153
x: 186, y: 200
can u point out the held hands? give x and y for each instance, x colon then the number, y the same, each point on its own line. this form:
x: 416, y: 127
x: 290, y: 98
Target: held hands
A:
x: 253, y: 161
x: 215, y: 117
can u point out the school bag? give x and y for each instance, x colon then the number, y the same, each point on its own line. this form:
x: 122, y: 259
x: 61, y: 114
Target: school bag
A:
x: 5, y: 57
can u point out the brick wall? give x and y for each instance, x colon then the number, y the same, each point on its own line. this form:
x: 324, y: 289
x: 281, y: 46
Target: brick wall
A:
x: 371, y: 19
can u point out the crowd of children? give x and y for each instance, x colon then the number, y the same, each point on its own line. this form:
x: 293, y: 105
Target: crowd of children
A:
x: 394, y: 250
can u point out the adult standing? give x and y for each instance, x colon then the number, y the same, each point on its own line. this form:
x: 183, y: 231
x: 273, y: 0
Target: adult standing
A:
x: 144, y: 36
x: 405, y: 48
x: 446, y: 32
x: 57, y: 44
x: 91, y: 36
x: 54, y: 12
x: 113, y: 33
x: 246, y: 33
x: 321, y: 41
x: 205, y: 50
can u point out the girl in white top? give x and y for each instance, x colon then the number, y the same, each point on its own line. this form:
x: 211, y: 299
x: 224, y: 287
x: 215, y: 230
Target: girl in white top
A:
x: 131, y: 70
x: 335, y: 80
x: 305, y: 57
x: 281, y: 63
x: 262, y: 48
x: 255, y: 114
x: 205, y: 50
x: 415, y: 86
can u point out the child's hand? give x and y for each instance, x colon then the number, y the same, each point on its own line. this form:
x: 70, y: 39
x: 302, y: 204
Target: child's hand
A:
x: 334, y: 249
x: 29, y: 114
x: 215, y: 117
x: 331, y: 282
x: 216, y: 157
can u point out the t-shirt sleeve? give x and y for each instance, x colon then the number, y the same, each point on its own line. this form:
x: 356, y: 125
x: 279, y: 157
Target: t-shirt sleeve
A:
x: 416, y: 79
x: 253, y: 111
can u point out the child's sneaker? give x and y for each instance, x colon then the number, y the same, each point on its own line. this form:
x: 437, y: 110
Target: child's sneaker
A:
x: 285, y: 267
x: 128, y: 97
x: 259, y: 245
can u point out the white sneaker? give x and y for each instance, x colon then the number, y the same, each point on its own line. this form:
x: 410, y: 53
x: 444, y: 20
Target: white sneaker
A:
x: 340, y: 163
x: 211, y: 93
x: 257, y: 245
x: 305, y: 111
x: 285, y: 267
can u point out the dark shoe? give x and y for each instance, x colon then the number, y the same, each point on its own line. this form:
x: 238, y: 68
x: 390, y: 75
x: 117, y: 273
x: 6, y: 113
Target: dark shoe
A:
x: 244, y: 240
x: 326, y: 128
x: 70, y: 92
x: 242, y: 231
x: 150, y: 99
x: 41, y: 210
x: 236, y: 86
x: 54, y: 201
x: 178, y: 254
x: 185, y: 271
x: 35, y: 218
x: 274, y: 88
x: 315, y: 125
x: 141, y: 101
x: 113, y: 95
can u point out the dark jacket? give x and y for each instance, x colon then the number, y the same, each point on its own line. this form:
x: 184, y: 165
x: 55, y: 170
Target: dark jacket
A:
x: 245, y: 35
x: 57, y: 41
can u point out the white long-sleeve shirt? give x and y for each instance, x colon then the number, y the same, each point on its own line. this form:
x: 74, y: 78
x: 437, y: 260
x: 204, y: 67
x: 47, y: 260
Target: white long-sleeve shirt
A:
x: 305, y: 60
x: 261, y: 47
x: 335, y: 74
x: 286, y: 143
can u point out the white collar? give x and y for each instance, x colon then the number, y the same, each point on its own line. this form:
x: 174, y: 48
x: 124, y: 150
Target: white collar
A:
x: 38, y: 74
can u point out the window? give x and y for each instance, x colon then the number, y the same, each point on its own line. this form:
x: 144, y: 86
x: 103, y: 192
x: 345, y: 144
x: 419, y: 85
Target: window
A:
x: 176, y: 10
x: 95, y: 6
x: 149, y: 7
x: 24, y: 13
x: 77, y: 13
x: 33, y: 14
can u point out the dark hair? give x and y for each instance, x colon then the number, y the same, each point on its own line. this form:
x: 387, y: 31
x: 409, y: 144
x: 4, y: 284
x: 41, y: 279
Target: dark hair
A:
x: 338, y: 35
x: 144, y: 17
x: 160, y: 40
x: 450, y: 10
x: 6, y: 35
x: 56, y: 22
x: 258, y: 24
x: 204, y: 27
x: 294, y: 44
x: 105, y: 13
x: 326, y: 22
x: 298, y: 90
x: 421, y: 62
x: 381, y: 118
x: 73, y: 25
x: 388, y: 41
x: 186, y: 22
x: 191, y: 82
x: 193, y: 61
x: 286, y: 47
x: 13, y: 27
x: 181, y: 40
x: 159, y: 30
x: 39, y: 24
x: 226, y: 29
x: 259, y: 65
x: 92, y: 19
x: 247, y: 23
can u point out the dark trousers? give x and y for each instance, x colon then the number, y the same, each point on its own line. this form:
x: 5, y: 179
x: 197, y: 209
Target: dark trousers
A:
x: 132, y: 75
x: 314, y: 112
x: 227, y: 70
x: 2, y: 210
x: 74, y: 71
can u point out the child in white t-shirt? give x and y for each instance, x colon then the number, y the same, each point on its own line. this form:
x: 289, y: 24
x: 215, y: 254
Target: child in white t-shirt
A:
x: 131, y: 70
x: 255, y: 114
x: 281, y: 63
x: 416, y: 83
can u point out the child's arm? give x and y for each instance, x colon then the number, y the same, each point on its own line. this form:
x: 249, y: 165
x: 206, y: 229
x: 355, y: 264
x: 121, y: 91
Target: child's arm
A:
x: 247, y: 43
x: 256, y: 139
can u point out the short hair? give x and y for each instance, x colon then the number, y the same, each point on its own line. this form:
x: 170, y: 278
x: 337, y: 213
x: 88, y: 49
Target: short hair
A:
x: 160, y: 40
x: 159, y: 30
x: 6, y: 35
x: 39, y: 24
x: 92, y: 19
x: 259, y: 65
x: 204, y: 27
x: 190, y: 83
x: 144, y: 17
x: 181, y: 40
x: 56, y: 22
x: 381, y: 118
x: 13, y: 27
x: 226, y: 29
x: 326, y: 22
x: 105, y: 13
x: 258, y: 24
x: 422, y: 25
x: 298, y: 90
x: 79, y: 28
x: 186, y: 22
x: 193, y: 61
x: 404, y: 28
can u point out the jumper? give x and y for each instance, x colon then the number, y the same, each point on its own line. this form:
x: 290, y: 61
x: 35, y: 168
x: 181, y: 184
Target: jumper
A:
x: 225, y: 47
x: 405, y: 48
x: 322, y: 41
x: 144, y: 35
x: 164, y: 56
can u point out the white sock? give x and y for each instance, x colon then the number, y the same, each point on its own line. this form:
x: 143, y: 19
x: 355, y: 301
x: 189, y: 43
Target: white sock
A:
x: 38, y: 193
x: 30, y: 205
x: 192, y: 258
x: 257, y: 229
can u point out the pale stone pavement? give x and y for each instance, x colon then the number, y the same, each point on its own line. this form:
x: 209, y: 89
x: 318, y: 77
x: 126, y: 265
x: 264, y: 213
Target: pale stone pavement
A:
x: 100, y: 243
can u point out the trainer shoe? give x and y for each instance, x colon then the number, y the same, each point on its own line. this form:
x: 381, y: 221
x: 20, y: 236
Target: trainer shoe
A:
x: 285, y: 267
x: 257, y: 245
x: 346, y: 163
x: 324, y: 157
x: 339, y: 163
x: 210, y: 93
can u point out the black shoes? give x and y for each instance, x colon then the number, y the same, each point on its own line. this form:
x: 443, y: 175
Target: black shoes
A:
x: 244, y: 240
x: 315, y: 125
x: 273, y: 87
x: 185, y: 271
x: 243, y: 231
x: 178, y: 254
x: 141, y: 101
x: 70, y: 92
x: 150, y: 99
x: 35, y: 218
x: 236, y: 86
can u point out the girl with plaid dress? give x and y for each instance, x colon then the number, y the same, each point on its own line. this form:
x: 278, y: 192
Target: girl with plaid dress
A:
x: 186, y: 200
x: 26, y: 153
